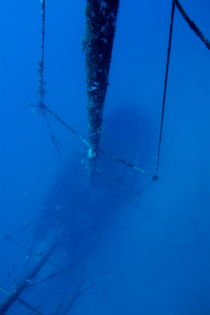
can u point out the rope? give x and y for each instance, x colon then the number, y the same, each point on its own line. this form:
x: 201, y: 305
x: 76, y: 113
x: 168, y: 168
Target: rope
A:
x: 41, y: 64
x: 41, y: 79
x: 42, y: 91
x: 142, y: 189
x: 165, y: 88
x: 83, y: 140
x: 191, y: 24
x: 113, y: 157
x: 8, y: 235
x: 197, y: 31
x: 126, y: 163
x: 67, y: 126
x: 44, y: 108
x: 53, y: 138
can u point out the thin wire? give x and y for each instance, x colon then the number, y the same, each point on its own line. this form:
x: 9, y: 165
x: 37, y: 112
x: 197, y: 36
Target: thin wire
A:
x: 142, y: 189
x: 41, y: 68
x: 126, y: 163
x: 42, y: 81
x: 8, y: 235
x: 113, y: 157
x: 52, y: 136
x: 67, y: 126
x: 165, y: 88
x: 44, y: 108
x: 191, y: 24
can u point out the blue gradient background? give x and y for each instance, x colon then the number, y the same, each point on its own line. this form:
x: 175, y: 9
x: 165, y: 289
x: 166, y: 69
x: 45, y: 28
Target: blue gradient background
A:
x: 158, y: 249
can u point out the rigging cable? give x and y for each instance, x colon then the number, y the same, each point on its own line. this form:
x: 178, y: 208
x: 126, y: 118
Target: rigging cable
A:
x: 165, y: 89
x: 191, y: 24
x: 110, y: 155
x: 42, y: 91
x: 197, y: 31
x: 82, y: 139
x: 41, y: 78
x: 41, y: 68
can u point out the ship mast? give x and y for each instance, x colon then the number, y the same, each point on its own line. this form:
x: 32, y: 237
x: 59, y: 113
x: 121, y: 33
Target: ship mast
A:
x: 101, y: 16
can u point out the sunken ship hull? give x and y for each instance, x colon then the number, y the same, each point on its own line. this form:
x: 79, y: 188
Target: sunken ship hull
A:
x: 78, y: 210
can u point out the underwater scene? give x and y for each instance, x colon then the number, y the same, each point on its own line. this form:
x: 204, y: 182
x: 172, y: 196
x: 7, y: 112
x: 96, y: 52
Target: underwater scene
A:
x: 105, y: 157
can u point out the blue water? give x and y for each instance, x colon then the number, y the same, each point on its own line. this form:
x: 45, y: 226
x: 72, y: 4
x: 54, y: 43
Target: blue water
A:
x: 153, y: 255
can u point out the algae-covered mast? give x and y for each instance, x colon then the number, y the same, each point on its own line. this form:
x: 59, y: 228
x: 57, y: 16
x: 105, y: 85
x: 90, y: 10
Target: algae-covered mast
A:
x: 101, y: 16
